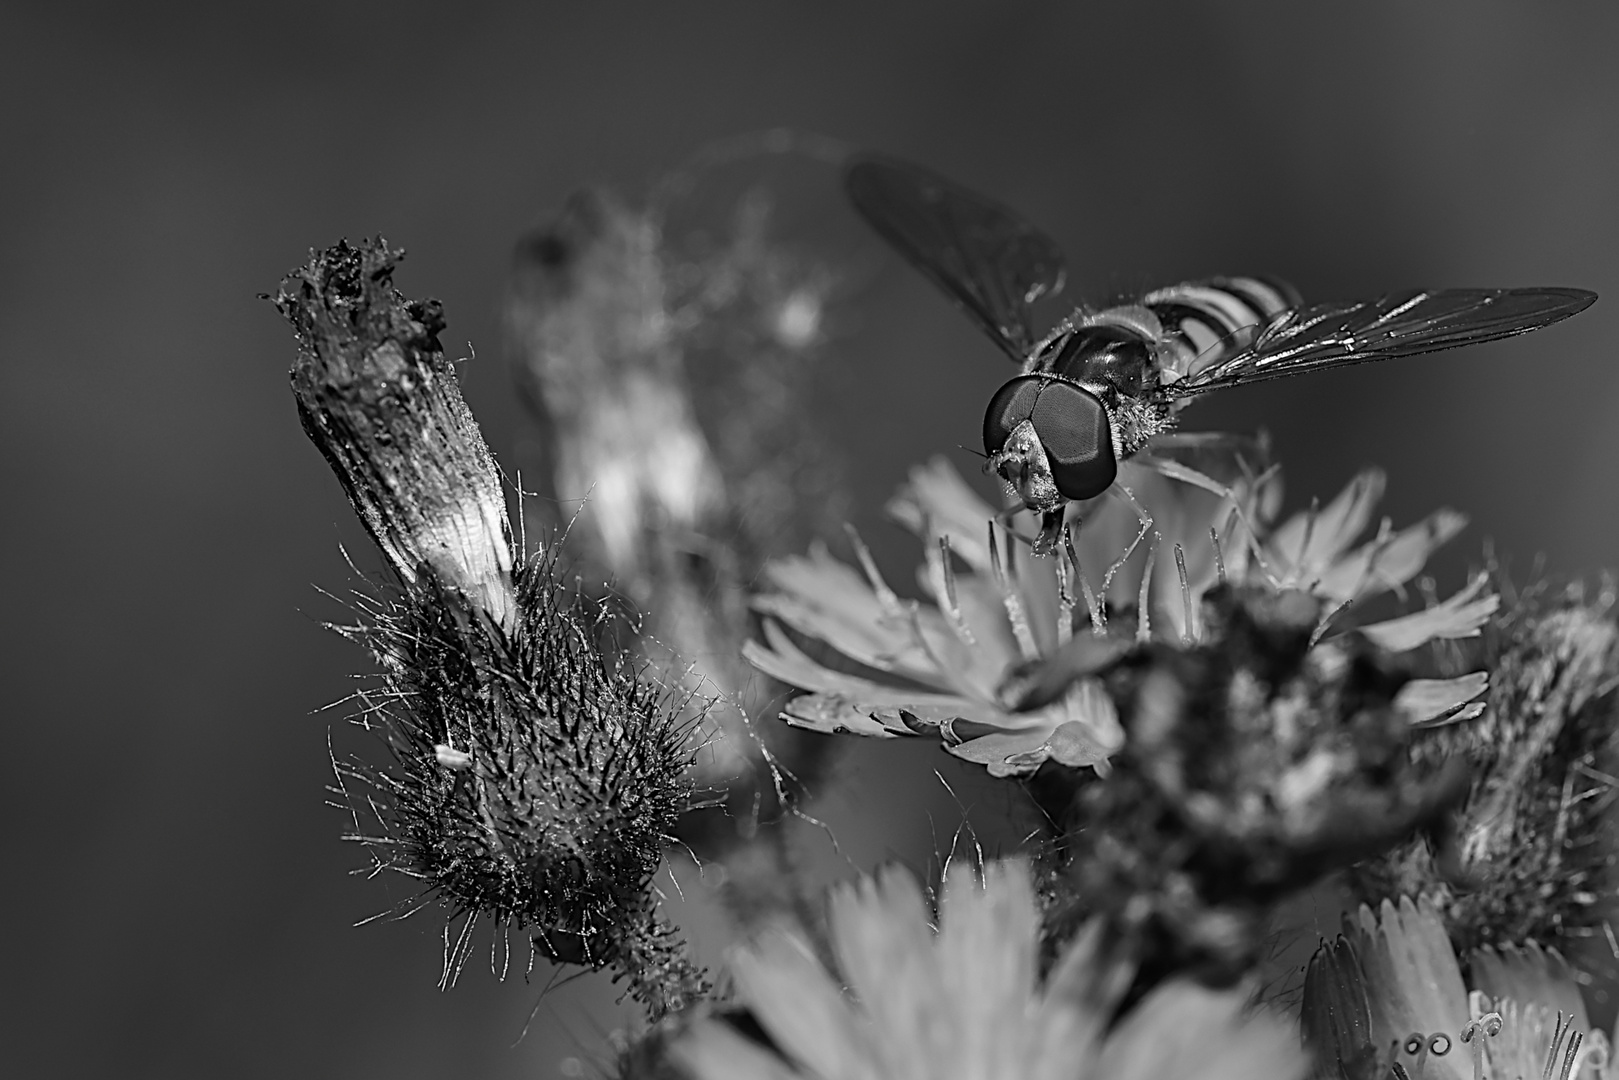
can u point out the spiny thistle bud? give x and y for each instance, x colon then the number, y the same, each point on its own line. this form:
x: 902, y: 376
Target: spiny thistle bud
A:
x: 535, y: 772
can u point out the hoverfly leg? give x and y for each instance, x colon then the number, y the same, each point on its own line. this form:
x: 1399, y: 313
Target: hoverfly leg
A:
x: 1007, y: 520
x: 1097, y: 606
x: 1146, y: 525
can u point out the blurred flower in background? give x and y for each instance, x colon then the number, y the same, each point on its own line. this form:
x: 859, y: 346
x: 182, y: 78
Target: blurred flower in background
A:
x: 666, y: 348
x: 964, y: 997
x: 667, y: 363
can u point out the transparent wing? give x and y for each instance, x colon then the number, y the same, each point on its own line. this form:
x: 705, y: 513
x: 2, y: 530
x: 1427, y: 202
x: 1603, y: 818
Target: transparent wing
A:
x: 990, y: 261
x: 1399, y: 324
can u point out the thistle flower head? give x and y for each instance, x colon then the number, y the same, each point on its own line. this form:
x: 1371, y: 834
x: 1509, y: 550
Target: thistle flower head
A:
x: 967, y: 1000
x: 1003, y: 657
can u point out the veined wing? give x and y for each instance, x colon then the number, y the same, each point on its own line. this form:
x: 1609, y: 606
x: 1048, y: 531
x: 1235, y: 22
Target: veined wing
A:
x: 1400, y: 324
x: 989, y: 260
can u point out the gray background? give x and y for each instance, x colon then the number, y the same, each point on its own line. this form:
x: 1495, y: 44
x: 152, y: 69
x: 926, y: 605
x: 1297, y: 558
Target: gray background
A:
x: 174, y: 889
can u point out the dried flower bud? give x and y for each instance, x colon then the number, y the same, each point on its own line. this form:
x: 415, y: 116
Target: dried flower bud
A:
x: 534, y: 772
x: 377, y: 396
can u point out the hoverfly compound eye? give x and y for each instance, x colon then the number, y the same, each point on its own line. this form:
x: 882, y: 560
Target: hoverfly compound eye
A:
x: 1071, y: 424
x: 1073, y: 427
x: 1012, y: 404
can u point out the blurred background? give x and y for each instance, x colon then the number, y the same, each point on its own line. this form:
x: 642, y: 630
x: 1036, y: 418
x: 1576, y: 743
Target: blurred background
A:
x: 175, y: 887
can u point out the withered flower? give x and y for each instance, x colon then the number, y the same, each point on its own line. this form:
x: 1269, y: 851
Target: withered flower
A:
x: 533, y: 774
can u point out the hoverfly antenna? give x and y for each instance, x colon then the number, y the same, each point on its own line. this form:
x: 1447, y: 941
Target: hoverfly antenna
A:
x: 970, y: 450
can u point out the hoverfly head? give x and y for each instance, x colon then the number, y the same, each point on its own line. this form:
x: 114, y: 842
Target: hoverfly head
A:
x: 1049, y: 440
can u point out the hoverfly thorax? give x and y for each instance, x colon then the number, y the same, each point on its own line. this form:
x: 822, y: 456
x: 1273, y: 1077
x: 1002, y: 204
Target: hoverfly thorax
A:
x: 1116, y: 356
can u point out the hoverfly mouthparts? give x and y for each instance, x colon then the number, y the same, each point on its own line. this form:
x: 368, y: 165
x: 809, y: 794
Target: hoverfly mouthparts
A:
x: 1103, y: 384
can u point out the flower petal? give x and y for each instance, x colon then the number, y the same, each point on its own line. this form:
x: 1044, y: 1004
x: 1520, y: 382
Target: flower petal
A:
x: 1304, y: 546
x: 936, y: 499
x: 1459, y: 616
x: 1079, y: 747
x: 834, y: 713
x: 1084, y: 655
x: 800, y: 1006
x: 1185, y: 1030
x: 884, y: 944
x: 1082, y: 993
x: 988, y: 958
x: 1412, y: 978
x: 781, y: 659
x: 1012, y: 754
x: 1435, y: 702
x: 1081, y: 730
x: 1391, y: 561
x: 1530, y: 973
x: 713, y: 1050
x: 979, y: 668
x: 822, y: 598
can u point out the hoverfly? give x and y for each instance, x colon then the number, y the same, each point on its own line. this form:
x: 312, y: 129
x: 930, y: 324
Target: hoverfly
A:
x: 1103, y: 383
